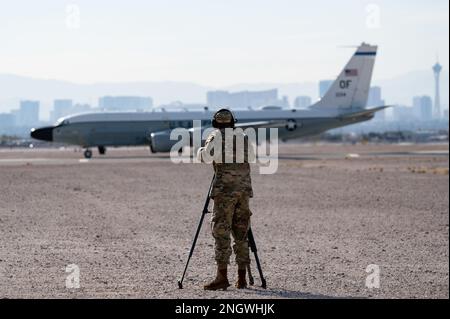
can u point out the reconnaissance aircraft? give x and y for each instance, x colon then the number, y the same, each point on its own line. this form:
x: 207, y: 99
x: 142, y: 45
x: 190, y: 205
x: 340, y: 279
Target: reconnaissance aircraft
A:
x: 342, y: 105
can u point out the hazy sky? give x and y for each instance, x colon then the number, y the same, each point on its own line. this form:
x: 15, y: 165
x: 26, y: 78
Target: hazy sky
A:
x: 216, y: 42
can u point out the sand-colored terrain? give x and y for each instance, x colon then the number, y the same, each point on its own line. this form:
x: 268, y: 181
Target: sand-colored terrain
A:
x: 127, y: 220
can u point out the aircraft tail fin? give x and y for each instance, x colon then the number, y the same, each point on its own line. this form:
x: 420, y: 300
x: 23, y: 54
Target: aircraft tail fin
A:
x: 351, y: 89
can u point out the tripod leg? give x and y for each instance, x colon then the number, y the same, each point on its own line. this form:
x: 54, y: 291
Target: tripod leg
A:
x: 252, y: 244
x: 191, y: 252
x: 251, y: 280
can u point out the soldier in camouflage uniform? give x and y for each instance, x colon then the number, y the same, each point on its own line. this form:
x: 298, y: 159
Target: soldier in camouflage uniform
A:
x: 231, y: 192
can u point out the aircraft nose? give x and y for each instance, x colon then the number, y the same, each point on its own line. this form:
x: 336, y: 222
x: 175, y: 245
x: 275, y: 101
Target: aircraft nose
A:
x: 43, y: 133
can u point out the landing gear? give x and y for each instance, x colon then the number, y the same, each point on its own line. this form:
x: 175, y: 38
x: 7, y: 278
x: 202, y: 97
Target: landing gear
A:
x: 102, y: 150
x: 87, y: 154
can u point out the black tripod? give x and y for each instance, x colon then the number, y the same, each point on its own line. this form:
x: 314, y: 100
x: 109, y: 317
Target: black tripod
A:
x: 251, y: 243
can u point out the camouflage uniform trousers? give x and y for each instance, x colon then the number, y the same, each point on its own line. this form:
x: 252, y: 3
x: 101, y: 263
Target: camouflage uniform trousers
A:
x: 231, y: 215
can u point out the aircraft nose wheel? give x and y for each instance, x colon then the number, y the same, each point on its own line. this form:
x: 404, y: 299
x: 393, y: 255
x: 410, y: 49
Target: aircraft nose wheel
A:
x: 87, y: 154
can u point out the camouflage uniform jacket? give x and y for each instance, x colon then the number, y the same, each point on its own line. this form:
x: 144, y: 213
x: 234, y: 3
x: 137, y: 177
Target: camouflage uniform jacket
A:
x: 232, y: 178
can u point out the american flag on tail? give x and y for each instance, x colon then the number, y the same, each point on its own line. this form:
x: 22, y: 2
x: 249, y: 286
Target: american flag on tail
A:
x: 351, y: 72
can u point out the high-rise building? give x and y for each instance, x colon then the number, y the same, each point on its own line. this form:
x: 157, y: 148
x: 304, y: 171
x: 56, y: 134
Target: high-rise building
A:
x: 218, y: 98
x: 61, y: 108
x: 423, y: 108
x: 324, y: 86
x: 302, y: 102
x: 6, y: 120
x: 16, y: 117
x: 244, y: 99
x: 417, y: 107
x: 437, y: 68
x: 123, y: 103
x: 375, y: 99
x: 80, y: 108
x: 446, y: 115
x: 28, y: 113
x: 403, y: 113
x: 284, y: 101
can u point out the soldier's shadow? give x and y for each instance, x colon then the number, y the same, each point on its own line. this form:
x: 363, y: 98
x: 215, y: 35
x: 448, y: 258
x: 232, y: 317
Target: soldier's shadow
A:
x: 283, y: 293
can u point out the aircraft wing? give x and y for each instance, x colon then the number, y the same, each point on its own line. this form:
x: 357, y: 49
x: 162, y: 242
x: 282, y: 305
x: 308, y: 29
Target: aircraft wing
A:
x: 265, y: 124
x: 255, y: 125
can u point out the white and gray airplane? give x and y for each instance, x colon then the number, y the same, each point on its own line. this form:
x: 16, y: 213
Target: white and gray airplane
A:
x: 342, y: 105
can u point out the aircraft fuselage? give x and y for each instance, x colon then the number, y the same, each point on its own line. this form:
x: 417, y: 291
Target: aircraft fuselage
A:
x: 134, y: 129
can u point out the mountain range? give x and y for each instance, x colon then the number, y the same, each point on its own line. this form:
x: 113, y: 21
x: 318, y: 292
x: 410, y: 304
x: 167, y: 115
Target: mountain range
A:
x: 13, y: 88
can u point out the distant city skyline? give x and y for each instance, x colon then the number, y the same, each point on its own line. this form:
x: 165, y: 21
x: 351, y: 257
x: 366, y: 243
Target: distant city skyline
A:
x: 421, y: 107
x: 416, y: 116
x: 398, y: 91
x: 216, y: 43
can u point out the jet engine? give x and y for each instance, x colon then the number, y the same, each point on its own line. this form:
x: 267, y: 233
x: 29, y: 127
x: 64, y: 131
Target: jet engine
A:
x: 160, y: 142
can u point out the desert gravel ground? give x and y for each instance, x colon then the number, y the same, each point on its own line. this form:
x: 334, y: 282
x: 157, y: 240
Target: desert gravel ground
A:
x: 127, y: 221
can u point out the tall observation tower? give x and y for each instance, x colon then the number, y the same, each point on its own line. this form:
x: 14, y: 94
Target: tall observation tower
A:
x: 437, y: 68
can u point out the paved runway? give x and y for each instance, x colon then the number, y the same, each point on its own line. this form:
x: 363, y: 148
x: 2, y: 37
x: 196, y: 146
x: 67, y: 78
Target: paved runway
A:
x: 135, y: 155
x: 127, y: 220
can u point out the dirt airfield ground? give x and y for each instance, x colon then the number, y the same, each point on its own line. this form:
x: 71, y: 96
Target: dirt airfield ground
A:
x: 127, y: 221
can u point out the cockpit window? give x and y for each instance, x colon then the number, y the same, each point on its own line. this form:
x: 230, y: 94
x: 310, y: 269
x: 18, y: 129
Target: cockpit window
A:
x: 61, y: 121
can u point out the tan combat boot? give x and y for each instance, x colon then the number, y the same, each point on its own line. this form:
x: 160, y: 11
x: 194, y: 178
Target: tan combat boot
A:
x: 221, y: 281
x: 242, y: 281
